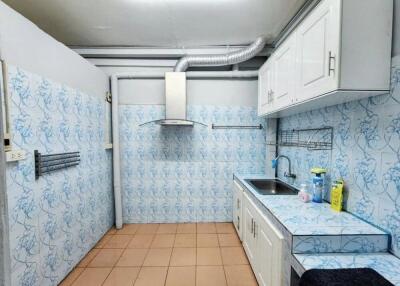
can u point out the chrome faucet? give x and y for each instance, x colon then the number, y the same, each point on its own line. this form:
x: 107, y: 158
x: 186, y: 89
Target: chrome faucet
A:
x: 286, y: 174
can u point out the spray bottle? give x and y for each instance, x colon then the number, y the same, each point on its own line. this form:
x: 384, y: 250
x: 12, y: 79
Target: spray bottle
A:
x: 318, y: 184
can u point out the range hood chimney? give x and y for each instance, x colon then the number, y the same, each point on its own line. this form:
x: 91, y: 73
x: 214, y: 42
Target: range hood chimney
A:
x: 175, y: 82
x: 175, y: 100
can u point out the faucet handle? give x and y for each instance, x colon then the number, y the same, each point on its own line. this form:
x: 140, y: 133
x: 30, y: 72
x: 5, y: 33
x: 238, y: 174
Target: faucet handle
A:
x: 274, y: 163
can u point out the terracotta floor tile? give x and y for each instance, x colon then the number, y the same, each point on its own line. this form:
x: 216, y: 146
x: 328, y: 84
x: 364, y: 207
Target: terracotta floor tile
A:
x: 233, y: 256
x: 181, y: 276
x: 225, y: 227
x: 89, y: 257
x: 151, y: 276
x: 132, y: 257
x: 163, y: 241
x: 92, y: 277
x: 185, y: 240
x: 208, y: 227
x: 128, y: 229
x: 112, y: 230
x: 141, y: 241
x: 240, y: 275
x: 106, y: 258
x: 167, y: 228
x: 228, y: 239
x: 186, y: 228
x: 118, y: 241
x: 72, y: 276
x: 209, y: 256
x: 122, y: 276
x: 183, y: 257
x: 210, y: 276
x: 207, y: 240
x: 148, y: 228
x: 158, y: 257
x: 103, y: 241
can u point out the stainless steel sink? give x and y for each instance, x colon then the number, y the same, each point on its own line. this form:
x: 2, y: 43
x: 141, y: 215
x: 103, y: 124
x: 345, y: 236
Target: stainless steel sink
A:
x: 271, y: 187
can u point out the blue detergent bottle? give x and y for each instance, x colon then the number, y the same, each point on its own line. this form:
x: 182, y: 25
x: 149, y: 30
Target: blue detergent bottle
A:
x: 318, y: 184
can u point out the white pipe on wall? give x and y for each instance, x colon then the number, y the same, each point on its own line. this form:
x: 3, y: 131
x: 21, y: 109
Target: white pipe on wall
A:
x: 115, y: 120
x: 116, y: 153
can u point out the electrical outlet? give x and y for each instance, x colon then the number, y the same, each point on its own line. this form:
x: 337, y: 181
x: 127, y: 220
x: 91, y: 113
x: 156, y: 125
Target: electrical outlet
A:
x: 15, y: 155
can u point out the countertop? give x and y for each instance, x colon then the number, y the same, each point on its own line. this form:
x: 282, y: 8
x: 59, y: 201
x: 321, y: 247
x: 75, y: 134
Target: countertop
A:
x: 319, y: 221
x: 309, y: 219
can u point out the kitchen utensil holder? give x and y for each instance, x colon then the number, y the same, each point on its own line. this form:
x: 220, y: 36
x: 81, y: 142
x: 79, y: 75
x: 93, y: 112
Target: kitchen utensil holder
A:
x: 311, y: 138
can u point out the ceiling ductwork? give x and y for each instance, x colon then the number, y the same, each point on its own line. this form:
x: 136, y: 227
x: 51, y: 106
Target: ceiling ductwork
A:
x: 175, y: 82
x: 222, y: 60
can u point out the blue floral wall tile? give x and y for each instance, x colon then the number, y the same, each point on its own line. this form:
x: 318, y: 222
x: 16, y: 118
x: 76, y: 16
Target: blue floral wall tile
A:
x: 56, y: 220
x: 174, y: 174
x: 366, y: 154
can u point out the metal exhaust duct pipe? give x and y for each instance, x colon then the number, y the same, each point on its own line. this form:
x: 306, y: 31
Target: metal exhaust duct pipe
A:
x: 222, y: 60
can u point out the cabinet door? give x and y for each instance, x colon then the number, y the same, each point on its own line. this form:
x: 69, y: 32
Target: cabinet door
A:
x: 317, y: 60
x: 237, y: 208
x: 265, y: 88
x: 285, y: 73
x: 269, y: 253
x: 249, y: 242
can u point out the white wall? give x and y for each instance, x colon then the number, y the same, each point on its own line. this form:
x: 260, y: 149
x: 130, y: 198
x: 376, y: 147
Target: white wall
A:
x: 396, y: 27
x: 24, y: 45
x: 5, y: 276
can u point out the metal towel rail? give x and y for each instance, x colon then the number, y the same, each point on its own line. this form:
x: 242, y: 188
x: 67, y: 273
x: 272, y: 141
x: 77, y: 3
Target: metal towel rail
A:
x: 213, y: 126
x: 49, y: 163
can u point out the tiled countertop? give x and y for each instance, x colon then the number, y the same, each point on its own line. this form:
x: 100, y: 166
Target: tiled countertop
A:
x: 310, y: 219
x: 384, y: 263
x: 325, y: 239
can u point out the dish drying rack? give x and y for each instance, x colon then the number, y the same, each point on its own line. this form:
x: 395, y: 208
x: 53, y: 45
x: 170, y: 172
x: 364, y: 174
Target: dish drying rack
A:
x: 311, y: 138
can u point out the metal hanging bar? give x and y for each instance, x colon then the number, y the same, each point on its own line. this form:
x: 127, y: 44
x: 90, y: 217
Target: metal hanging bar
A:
x: 319, y: 139
x: 213, y: 126
x: 52, y: 162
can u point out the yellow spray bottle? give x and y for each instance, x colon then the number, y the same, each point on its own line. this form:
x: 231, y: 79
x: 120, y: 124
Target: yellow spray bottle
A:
x: 337, y: 195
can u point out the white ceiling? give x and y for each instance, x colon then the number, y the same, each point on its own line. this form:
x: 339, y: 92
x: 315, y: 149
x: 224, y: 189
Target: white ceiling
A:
x: 158, y: 23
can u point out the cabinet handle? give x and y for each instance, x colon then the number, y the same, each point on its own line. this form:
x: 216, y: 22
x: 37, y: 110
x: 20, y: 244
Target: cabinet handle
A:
x: 254, y: 233
x: 252, y: 229
x: 238, y: 224
x: 330, y: 69
x: 238, y: 204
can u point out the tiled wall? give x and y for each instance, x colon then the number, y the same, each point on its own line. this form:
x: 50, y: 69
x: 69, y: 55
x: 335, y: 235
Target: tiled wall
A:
x: 177, y: 174
x: 366, y: 154
x: 56, y: 220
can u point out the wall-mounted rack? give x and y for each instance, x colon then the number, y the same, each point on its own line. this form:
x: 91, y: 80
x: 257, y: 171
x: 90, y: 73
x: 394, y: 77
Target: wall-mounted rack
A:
x: 49, y: 163
x: 311, y: 138
x: 213, y: 126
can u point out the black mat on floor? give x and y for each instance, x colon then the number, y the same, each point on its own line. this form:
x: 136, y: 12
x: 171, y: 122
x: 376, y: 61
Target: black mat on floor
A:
x: 343, y: 277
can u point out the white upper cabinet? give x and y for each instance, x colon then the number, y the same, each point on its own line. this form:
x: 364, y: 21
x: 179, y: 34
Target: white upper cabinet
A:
x: 341, y: 51
x: 318, y: 51
x: 266, y: 88
x: 284, y: 64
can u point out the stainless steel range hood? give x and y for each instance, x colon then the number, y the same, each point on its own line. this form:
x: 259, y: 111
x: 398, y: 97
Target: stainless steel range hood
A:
x: 175, y: 101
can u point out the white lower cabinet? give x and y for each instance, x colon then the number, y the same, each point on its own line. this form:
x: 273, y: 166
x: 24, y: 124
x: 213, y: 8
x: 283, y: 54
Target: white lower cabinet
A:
x: 262, y: 242
x: 237, y: 208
